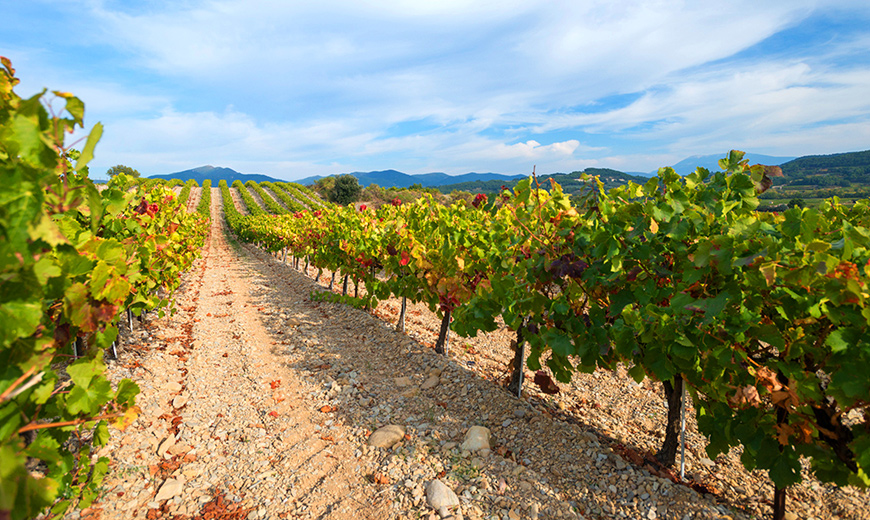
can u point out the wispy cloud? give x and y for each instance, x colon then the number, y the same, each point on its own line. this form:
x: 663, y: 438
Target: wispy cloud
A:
x: 293, y: 88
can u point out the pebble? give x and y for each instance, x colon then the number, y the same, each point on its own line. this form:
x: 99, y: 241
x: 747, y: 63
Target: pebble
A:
x: 476, y: 438
x: 387, y: 436
x: 440, y: 496
x: 430, y: 382
x: 165, y: 445
x: 170, y: 488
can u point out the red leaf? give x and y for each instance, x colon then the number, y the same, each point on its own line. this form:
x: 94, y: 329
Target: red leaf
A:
x: 545, y: 383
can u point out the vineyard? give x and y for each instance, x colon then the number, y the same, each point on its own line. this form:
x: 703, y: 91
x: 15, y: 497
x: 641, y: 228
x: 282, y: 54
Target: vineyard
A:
x: 601, y: 342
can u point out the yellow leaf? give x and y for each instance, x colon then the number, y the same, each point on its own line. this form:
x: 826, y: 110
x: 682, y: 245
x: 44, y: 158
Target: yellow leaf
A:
x: 653, y: 226
x: 127, y: 419
x: 769, y: 272
x: 460, y: 262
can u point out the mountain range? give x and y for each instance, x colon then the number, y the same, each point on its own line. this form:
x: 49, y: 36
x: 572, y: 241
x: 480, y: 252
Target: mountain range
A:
x: 216, y: 174
x: 388, y: 178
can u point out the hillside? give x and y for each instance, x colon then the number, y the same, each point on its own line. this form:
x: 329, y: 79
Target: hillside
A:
x: 841, y: 169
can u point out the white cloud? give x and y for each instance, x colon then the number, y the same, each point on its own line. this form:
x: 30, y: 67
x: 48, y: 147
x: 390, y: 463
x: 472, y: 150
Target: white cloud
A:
x: 301, y: 86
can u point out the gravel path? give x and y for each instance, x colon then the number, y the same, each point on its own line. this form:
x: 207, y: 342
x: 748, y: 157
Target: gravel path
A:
x: 193, y: 199
x: 258, y: 199
x: 276, y: 198
x: 258, y: 403
x: 228, y: 421
x: 241, y: 207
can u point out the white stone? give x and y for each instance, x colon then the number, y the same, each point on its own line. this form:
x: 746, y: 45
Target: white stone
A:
x: 169, y: 489
x: 179, y: 401
x: 439, y: 495
x: 165, y: 445
x: 387, y: 436
x: 476, y: 438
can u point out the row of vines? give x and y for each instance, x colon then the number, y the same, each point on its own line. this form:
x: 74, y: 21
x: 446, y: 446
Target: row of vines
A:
x: 762, y: 317
x: 72, y: 260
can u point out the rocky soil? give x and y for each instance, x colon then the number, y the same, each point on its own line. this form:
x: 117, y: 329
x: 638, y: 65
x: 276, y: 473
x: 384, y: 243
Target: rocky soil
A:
x: 259, y: 403
x: 193, y: 199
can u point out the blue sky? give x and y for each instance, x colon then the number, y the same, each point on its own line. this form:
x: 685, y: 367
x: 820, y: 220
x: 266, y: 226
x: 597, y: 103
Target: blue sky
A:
x: 292, y: 89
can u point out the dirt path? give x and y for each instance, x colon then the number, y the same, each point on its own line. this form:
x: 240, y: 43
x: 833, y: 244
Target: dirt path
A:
x: 304, y: 201
x: 257, y: 198
x: 193, y: 199
x: 241, y: 207
x: 276, y: 198
x: 228, y: 425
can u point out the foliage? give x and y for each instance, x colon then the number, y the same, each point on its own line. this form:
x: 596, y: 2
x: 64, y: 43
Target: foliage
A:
x: 126, y: 170
x: 345, y: 190
x: 842, y: 169
x: 303, y: 195
x: 328, y: 296
x: 185, y: 192
x: 316, y: 202
x: 271, y: 204
x: 280, y: 191
x: 324, y: 186
x: 765, y: 316
x: 204, y: 207
x: 250, y: 203
x: 71, y: 258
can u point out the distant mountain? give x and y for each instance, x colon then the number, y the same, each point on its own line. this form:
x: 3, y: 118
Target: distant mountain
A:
x: 711, y: 162
x: 825, y: 171
x: 216, y: 175
x: 393, y: 178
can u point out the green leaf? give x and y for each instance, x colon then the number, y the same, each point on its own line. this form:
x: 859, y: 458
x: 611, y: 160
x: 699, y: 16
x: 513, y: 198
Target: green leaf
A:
x: 89, y: 400
x: 18, y: 320
x: 25, y: 130
x: 818, y: 245
x: 88, y: 151
x: 45, y: 448
x: 127, y: 392
x: 786, y: 469
x: 84, y: 371
x: 101, y: 434
x: 715, y: 306
x: 837, y: 340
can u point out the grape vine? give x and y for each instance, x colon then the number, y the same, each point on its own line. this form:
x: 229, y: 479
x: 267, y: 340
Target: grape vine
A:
x: 71, y: 259
x: 762, y: 316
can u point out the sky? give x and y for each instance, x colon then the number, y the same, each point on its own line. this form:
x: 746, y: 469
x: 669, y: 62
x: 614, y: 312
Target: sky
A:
x: 293, y: 89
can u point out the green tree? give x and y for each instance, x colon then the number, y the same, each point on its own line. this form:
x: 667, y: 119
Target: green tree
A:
x: 797, y: 203
x: 120, y: 168
x: 345, y: 190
